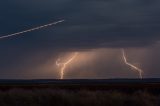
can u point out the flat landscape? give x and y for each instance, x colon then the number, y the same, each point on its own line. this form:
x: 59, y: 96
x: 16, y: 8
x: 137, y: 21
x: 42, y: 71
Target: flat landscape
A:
x: 129, y: 85
x: 80, y: 92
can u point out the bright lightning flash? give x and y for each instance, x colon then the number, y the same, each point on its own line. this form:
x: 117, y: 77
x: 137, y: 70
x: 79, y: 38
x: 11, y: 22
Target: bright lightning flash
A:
x: 64, y: 65
x: 129, y: 64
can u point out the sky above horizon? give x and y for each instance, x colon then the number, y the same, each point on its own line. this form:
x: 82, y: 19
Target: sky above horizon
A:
x: 96, y: 29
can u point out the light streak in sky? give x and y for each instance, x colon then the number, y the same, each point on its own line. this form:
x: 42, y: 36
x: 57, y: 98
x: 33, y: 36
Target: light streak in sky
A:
x: 131, y: 65
x: 64, y: 65
x: 32, y: 29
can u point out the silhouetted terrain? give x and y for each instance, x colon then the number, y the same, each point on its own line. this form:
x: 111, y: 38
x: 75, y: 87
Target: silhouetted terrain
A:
x: 80, y: 92
x: 50, y: 97
x: 129, y: 85
x: 79, y: 81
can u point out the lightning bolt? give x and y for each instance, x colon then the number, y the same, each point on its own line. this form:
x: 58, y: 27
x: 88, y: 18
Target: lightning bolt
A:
x: 64, y: 65
x: 32, y: 29
x: 129, y: 64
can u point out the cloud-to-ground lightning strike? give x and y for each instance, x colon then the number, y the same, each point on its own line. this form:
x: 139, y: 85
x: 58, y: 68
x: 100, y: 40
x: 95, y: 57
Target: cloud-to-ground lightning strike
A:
x: 129, y: 64
x: 32, y: 29
x: 64, y: 65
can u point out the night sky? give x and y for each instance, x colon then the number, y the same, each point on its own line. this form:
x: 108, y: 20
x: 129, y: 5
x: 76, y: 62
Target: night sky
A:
x: 96, y: 29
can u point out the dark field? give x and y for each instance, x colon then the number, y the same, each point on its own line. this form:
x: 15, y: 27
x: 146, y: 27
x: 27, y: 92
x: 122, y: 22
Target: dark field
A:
x: 115, y: 92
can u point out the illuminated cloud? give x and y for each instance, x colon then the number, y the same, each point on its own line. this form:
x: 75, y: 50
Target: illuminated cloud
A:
x: 90, y: 25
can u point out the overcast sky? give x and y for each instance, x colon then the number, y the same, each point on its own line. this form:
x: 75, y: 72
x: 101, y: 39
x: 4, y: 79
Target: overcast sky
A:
x: 97, y: 29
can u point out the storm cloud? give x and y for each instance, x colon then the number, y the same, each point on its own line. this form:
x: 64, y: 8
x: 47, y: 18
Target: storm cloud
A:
x: 89, y: 24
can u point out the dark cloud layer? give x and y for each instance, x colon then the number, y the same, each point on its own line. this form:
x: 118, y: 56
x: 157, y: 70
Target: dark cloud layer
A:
x: 89, y: 24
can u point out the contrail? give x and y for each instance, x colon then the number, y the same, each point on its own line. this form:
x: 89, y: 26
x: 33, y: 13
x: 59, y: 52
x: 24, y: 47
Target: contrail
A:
x: 32, y: 29
x: 64, y: 65
x: 129, y: 64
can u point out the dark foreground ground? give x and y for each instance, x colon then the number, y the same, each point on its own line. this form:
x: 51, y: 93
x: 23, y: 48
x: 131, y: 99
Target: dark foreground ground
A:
x: 115, y: 92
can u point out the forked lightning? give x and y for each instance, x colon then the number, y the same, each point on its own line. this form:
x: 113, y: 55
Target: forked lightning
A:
x: 64, y: 65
